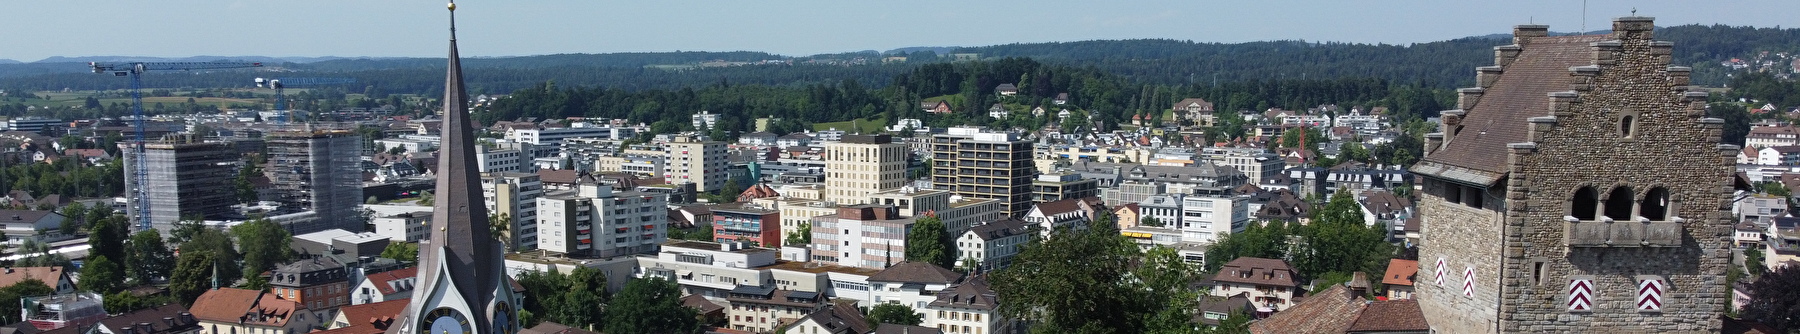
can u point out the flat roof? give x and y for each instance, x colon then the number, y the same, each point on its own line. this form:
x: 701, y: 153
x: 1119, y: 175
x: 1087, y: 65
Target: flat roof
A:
x: 815, y: 268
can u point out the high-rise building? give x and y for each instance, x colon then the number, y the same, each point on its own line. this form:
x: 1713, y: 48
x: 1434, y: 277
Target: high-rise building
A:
x: 861, y: 165
x: 592, y: 220
x: 463, y: 286
x: 185, y: 178
x: 318, y: 171
x: 1578, y: 188
x: 703, y: 163
x: 514, y: 196
x: 976, y: 163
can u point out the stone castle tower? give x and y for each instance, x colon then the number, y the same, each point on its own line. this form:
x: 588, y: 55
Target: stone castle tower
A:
x: 1579, y: 188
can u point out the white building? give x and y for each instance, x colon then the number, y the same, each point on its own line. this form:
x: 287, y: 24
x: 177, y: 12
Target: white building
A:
x: 514, y: 195
x: 594, y: 221
x: 992, y: 246
x: 913, y: 284
x: 707, y: 268
x: 1047, y: 217
x: 502, y: 160
x: 385, y: 286
x: 1206, y: 218
x: 970, y: 306
x: 705, y: 120
x: 690, y: 160
x: 867, y: 235
x: 405, y: 226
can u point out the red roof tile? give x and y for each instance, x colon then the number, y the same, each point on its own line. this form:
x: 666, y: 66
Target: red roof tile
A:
x: 1400, y: 272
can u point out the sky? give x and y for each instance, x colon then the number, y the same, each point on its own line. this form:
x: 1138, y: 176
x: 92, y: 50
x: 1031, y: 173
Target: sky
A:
x: 38, y: 29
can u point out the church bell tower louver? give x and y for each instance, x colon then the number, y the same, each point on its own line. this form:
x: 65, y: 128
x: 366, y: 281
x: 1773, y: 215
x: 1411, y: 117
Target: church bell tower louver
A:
x: 463, y: 287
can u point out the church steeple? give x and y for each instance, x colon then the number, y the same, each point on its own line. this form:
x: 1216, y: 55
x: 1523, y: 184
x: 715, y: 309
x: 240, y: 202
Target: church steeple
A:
x: 460, y: 266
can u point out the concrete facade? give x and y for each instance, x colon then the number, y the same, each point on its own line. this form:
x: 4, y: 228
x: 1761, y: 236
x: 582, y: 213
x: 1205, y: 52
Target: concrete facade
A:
x: 1611, y: 177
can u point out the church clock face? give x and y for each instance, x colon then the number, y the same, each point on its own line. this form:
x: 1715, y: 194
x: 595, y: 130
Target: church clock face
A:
x: 445, y: 321
x: 503, y: 321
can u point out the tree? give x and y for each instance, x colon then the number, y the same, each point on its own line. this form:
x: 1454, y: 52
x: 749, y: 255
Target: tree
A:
x: 802, y: 236
x: 264, y: 244
x: 1775, y: 300
x: 929, y: 242
x: 29, y: 287
x: 498, y: 226
x: 206, y: 260
x: 107, y: 237
x: 1753, y: 262
x: 1256, y: 240
x: 102, y: 275
x: 403, y: 251
x: 147, y: 258
x: 650, y: 305
x: 889, y: 313
x: 73, y: 216
x: 1150, y: 221
x: 124, y: 301
x: 566, y: 299
x: 1337, y: 241
x: 1077, y: 281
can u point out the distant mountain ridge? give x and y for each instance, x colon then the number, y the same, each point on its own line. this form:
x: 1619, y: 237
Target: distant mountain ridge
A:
x: 264, y: 59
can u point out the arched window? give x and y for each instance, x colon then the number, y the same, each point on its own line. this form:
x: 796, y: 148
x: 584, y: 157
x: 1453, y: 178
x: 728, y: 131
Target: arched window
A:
x: 1656, y: 204
x: 1627, y: 125
x: 1585, y: 203
x: 1618, y: 203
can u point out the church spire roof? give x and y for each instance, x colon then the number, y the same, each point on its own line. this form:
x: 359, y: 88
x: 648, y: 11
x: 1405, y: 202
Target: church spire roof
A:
x: 461, y: 249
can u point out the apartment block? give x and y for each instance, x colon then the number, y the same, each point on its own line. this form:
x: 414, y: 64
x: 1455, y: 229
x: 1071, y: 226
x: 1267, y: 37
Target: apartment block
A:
x: 748, y: 223
x: 866, y: 235
x: 594, y: 221
x: 861, y: 165
x: 973, y: 162
x: 703, y: 163
x: 514, y: 196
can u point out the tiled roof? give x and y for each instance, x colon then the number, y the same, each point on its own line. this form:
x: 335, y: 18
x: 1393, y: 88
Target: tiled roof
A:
x: 701, y: 304
x: 838, y: 317
x: 905, y: 329
x: 1053, y: 208
x: 13, y: 275
x: 1000, y: 229
x: 1541, y: 67
x: 176, y: 323
x: 1390, y: 316
x: 1400, y: 272
x: 393, y: 281
x: 1329, y: 312
x: 972, y: 293
x: 1383, y: 203
x: 916, y: 272
x: 224, y: 304
x: 555, y: 328
x: 1224, y: 305
x: 1256, y: 270
x: 371, y: 318
x: 564, y: 176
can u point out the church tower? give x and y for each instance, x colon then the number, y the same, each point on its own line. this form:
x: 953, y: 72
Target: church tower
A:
x: 463, y: 287
x: 1579, y: 188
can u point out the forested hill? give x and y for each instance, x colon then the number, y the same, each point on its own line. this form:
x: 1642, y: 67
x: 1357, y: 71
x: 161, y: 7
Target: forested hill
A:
x: 1444, y: 64
x: 1440, y: 64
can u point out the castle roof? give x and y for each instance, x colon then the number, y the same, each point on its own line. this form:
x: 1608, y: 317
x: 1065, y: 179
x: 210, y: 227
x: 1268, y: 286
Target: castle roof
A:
x: 1542, y: 67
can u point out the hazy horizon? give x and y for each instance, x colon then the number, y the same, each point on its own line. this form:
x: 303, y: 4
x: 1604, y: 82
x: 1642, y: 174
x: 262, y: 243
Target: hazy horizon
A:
x: 414, y: 28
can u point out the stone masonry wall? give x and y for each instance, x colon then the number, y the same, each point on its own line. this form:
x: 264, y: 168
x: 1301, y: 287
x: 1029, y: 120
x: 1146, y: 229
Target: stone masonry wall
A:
x: 1462, y: 237
x: 1671, y: 146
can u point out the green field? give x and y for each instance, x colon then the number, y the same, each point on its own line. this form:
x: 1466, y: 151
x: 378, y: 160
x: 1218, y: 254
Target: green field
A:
x: 864, y: 125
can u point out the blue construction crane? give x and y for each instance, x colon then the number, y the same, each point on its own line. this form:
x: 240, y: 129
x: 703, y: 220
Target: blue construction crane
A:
x: 136, y: 70
x: 280, y: 83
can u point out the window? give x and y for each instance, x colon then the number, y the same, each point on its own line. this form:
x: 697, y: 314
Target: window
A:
x: 1655, y: 205
x: 1619, y: 203
x: 1627, y: 125
x: 1584, y: 204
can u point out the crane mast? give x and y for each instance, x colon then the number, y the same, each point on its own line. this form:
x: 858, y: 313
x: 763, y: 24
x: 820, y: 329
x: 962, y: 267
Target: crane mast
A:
x: 134, y: 70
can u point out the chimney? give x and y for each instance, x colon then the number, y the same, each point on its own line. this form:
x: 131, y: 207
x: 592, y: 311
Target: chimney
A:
x: 169, y: 321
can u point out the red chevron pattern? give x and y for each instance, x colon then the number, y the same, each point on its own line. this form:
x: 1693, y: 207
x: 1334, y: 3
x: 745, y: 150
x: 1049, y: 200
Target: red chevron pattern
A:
x: 1649, y: 296
x: 1440, y: 272
x: 1469, y: 282
x: 1581, y: 295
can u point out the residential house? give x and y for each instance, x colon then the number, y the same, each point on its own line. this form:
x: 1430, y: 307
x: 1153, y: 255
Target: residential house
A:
x: 1747, y: 235
x: 1060, y: 99
x: 1126, y: 215
x: 1006, y: 89
x: 969, y: 307
x: 1770, y: 136
x: 1399, y: 278
x: 166, y: 319
x: 54, y: 277
x: 1385, y: 210
x: 1340, y: 310
x: 371, y: 318
x: 22, y: 225
x: 840, y: 318
x: 937, y: 107
x: 1048, y: 217
x: 385, y: 286
x: 319, y: 283
x: 992, y: 246
x: 913, y: 284
x: 887, y: 328
x: 759, y: 138
x: 998, y: 111
x: 1215, y: 309
x: 1270, y: 283
x: 1195, y: 109
x: 764, y: 309
x: 233, y: 310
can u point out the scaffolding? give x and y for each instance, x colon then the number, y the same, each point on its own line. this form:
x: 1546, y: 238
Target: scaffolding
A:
x: 317, y: 169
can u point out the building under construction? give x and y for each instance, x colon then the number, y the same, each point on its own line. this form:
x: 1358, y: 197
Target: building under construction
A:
x: 318, y: 171
x: 184, y: 177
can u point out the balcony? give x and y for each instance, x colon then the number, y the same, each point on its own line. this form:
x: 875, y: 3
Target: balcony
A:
x: 1606, y: 232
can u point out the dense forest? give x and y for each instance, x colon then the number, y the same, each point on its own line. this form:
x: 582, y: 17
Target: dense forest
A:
x: 1443, y: 64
